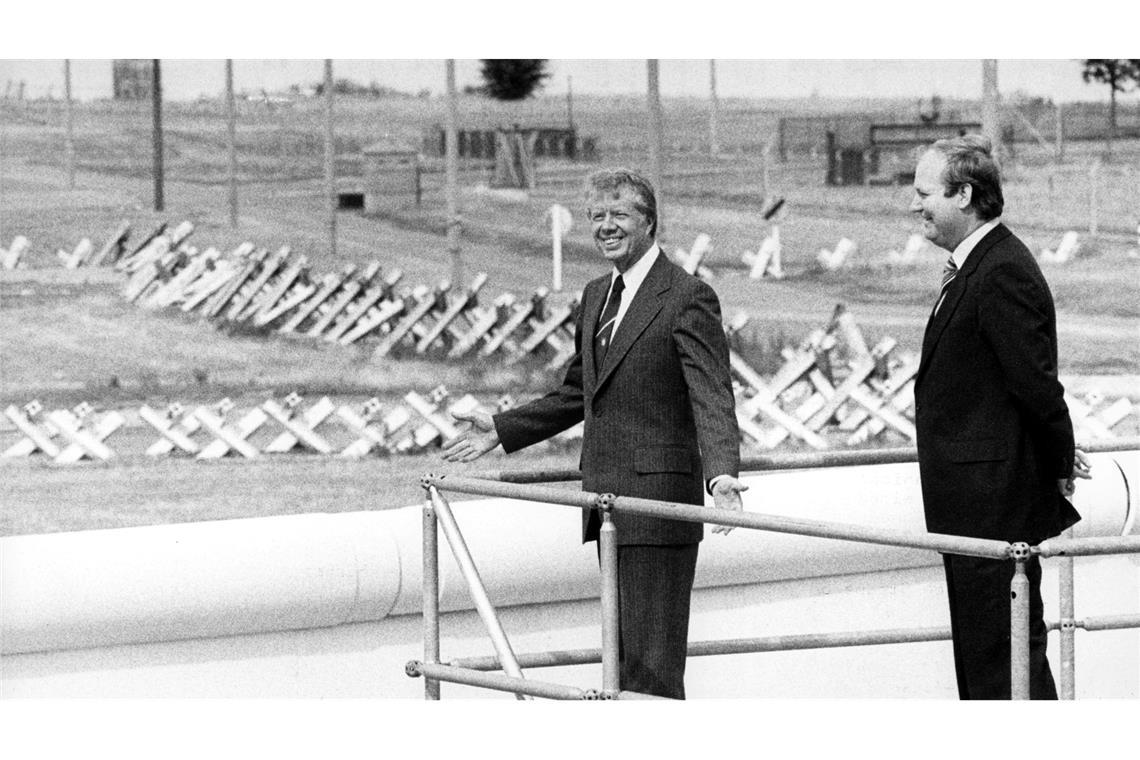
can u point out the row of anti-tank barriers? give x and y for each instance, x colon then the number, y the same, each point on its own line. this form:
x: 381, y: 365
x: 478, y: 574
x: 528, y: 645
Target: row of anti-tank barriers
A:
x: 479, y: 671
x: 832, y: 390
x: 797, y: 403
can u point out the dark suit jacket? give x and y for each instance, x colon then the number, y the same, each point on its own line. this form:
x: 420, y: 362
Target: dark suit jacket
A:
x: 659, y: 416
x: 994, y: 433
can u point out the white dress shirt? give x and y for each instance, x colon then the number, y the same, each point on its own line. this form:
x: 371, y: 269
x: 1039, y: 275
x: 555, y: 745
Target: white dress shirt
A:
x: 971, y: 241
x: 962, y: 250
x: 632, y: 278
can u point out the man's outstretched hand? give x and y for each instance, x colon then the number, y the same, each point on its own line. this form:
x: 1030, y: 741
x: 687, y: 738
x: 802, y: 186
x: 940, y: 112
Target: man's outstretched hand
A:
x: 472, y: 443
x: 726, y: 495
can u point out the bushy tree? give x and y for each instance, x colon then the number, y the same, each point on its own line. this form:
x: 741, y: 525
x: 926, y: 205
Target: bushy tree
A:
x: 1120, y: 74
x: 513, y: 78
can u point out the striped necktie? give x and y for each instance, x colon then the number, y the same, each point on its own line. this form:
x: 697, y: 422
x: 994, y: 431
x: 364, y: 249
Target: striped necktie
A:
x: 949, y: 272
x: 606, y: 322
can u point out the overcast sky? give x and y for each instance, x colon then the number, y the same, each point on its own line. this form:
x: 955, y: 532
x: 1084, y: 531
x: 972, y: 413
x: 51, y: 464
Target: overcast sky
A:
x: 873, y: 48
x: 187, y: 79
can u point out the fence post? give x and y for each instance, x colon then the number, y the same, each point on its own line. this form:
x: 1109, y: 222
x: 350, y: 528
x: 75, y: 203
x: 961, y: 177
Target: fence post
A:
x: 430, y: 595
x: 611, y: 627
x: 1060, y: 129
x: 231, y: 142
x: 330, y: 158
x: 1019, y: 623
x: 69, y: 144
x: 1068, y: 626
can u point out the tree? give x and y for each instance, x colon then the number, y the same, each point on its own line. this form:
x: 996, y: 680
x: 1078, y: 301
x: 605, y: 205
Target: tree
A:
x: 513, y: 78
x: 1120, y: 74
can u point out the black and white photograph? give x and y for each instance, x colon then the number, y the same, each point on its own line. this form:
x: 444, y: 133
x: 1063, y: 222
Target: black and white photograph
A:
x: 770, y: 384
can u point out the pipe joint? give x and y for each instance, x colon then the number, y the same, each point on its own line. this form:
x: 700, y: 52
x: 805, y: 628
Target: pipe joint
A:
x: 429, y: 479
x: 414, y: 669
x: 591, y: 695
x: 1068, y: 624
x: 1019, y: 551
x: 604, y: 501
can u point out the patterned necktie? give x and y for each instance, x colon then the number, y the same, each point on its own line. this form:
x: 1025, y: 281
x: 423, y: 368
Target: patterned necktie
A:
x: 949, y: 272
x: 606, y: 322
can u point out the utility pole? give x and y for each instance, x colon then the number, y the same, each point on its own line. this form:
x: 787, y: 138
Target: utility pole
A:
x: 655, y: 143
x: 70, y: 143
x: 991, y: 107
x: 454, y: 224
x: 570, y: 100
x: 330, y: 157
x: 714, y: 110
x: 231, y: 135
x: 156, y: 111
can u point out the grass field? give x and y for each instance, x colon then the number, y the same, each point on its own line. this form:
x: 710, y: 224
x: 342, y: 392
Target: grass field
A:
x: 69, y: 336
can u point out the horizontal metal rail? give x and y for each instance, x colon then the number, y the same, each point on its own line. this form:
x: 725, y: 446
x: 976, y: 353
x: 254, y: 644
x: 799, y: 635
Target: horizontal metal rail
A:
x: 565, y: 657
x: 976, y: 547
x: 474, y: 671
x: 726, y: 646
x: 555, y: 475
x: 1101, y: 623
x: 498, y: 682
x: 637, y: 695
x: 509, y: 490
x: 1088, y: 547
x: 794, y: 461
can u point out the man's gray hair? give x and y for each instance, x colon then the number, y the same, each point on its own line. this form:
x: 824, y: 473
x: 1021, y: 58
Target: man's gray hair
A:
x: 612, y: 181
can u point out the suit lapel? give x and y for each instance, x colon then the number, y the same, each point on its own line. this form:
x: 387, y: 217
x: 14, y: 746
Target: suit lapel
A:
x: 644, y: 307
x: 954, y: 292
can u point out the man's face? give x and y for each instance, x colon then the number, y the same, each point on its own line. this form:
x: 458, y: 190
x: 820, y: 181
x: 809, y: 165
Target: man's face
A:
x: 621, y: 232
x: 945, y: 221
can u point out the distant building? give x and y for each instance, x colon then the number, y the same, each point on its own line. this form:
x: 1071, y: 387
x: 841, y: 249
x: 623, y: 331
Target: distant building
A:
x: 132, y: 78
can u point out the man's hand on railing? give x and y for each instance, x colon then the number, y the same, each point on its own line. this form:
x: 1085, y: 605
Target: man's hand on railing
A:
x: 1082, y: 468
x: 726, y: 495
x: 479, y: 438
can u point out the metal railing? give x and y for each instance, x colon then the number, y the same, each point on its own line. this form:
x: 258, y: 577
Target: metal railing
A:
x: 476, y: 671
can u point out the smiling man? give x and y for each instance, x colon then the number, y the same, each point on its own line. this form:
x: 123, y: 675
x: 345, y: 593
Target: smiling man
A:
x: 995, y: 442
x: 651, y: 381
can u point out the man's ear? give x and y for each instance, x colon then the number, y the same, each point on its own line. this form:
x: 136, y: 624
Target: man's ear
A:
x: 965, y: 195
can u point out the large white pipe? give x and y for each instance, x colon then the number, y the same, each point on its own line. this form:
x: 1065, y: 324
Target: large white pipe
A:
x: 221, y: 578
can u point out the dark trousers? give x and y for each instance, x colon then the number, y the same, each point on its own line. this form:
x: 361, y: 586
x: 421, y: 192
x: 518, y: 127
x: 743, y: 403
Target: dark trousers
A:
x: 654, y: 587
x: 979, y: 622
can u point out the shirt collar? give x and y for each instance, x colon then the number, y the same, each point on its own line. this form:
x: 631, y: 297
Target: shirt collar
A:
x: 975, y: 237
x: 636, y: 274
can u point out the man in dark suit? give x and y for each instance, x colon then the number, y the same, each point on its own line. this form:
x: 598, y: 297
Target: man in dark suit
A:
x: 995, y: 442
x: 651, y: 380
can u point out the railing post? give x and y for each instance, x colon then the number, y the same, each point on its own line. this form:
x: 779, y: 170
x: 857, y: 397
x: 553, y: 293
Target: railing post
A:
x: 1019, y: 623
x: 1068, y: 626
x: 611, y: 625
x: 430, y: 594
